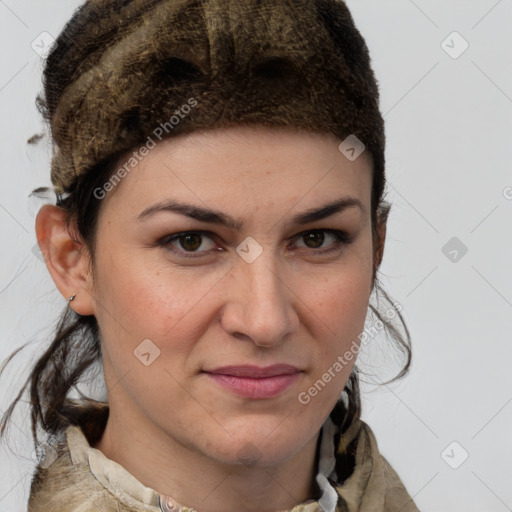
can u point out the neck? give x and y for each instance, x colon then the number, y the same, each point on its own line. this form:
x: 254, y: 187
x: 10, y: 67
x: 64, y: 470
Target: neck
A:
x: 197, y: 481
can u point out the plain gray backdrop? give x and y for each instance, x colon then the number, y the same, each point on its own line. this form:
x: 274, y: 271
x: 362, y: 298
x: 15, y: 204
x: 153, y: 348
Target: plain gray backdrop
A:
x: 445, y: 75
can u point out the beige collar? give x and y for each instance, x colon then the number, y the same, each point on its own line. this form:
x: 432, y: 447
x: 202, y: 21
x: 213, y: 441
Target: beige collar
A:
x: 122, y: 484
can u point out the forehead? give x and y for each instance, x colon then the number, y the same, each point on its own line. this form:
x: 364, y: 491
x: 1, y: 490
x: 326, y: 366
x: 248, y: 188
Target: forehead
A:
x: 248, y: 166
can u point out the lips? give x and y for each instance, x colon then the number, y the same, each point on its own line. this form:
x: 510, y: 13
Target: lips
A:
x: 256, y: 372
x: 255, y: 382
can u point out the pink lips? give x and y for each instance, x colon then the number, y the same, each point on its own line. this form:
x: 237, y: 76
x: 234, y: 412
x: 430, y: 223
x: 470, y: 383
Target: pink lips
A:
x: 253, y: 381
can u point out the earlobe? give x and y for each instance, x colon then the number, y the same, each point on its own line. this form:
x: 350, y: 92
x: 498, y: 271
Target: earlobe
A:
x: 67, y: 260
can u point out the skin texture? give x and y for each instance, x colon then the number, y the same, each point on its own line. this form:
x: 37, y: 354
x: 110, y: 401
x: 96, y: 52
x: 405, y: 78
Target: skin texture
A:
x: 172, y: 427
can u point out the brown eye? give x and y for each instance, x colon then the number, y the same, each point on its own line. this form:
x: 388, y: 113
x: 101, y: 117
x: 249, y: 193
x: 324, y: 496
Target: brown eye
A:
x: 189, y: 243
x: 315, y: 239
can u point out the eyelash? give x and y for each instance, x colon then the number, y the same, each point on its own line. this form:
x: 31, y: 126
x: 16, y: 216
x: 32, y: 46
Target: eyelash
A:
x: 342, y: 238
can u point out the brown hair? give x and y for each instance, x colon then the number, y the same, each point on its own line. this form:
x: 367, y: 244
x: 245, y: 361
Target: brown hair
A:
x: 300, y: 64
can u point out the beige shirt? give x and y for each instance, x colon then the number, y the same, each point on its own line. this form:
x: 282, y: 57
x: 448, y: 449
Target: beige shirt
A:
x: 83, y: 479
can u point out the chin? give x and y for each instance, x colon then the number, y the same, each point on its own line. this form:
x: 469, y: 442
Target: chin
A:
x: 258, y: 448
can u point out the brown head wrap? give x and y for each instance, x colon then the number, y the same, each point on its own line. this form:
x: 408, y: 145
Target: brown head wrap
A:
x: 140, y: 70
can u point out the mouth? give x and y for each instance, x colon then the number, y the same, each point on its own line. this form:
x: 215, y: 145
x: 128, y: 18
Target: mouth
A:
x: 253, y: 381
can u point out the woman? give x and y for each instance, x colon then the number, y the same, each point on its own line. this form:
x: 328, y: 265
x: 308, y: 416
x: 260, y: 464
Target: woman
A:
x: 253, y: 130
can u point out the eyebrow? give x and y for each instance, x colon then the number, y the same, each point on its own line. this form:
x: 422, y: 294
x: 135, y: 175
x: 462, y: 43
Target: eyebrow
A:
x: 216, y: 217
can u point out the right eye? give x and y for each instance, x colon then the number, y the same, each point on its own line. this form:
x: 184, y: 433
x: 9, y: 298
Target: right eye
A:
x: 190, y: 242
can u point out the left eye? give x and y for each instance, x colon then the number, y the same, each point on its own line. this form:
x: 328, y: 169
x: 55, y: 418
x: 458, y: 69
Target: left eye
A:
x: 316, y: 238
x: 191, y: 241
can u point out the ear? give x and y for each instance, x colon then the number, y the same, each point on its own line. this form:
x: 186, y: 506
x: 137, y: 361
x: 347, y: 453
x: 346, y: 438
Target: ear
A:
x: 378, y: 251
x: 67, y: 260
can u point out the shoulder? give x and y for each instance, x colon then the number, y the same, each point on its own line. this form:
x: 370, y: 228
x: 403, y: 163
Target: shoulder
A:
x: 373, y: 485
x: 63, y: 486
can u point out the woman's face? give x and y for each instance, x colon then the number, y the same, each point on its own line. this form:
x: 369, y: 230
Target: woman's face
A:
x: 273, y: 290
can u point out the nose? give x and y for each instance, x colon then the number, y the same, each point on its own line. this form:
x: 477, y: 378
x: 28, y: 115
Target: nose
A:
x: 260, y: 303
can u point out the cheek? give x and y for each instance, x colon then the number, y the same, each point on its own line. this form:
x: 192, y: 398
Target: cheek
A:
x: 339, y: 307
x: 154, y: 320
x: 341, y: 301
x: 334, y: 358
x: 341, y: 318
x: 138, y: 301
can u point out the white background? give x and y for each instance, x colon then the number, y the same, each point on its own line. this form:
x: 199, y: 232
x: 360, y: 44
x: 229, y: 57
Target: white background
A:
x: 449, y: 140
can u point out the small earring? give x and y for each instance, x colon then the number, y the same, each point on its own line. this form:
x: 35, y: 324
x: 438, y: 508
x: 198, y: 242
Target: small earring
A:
x: 71, y: 298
